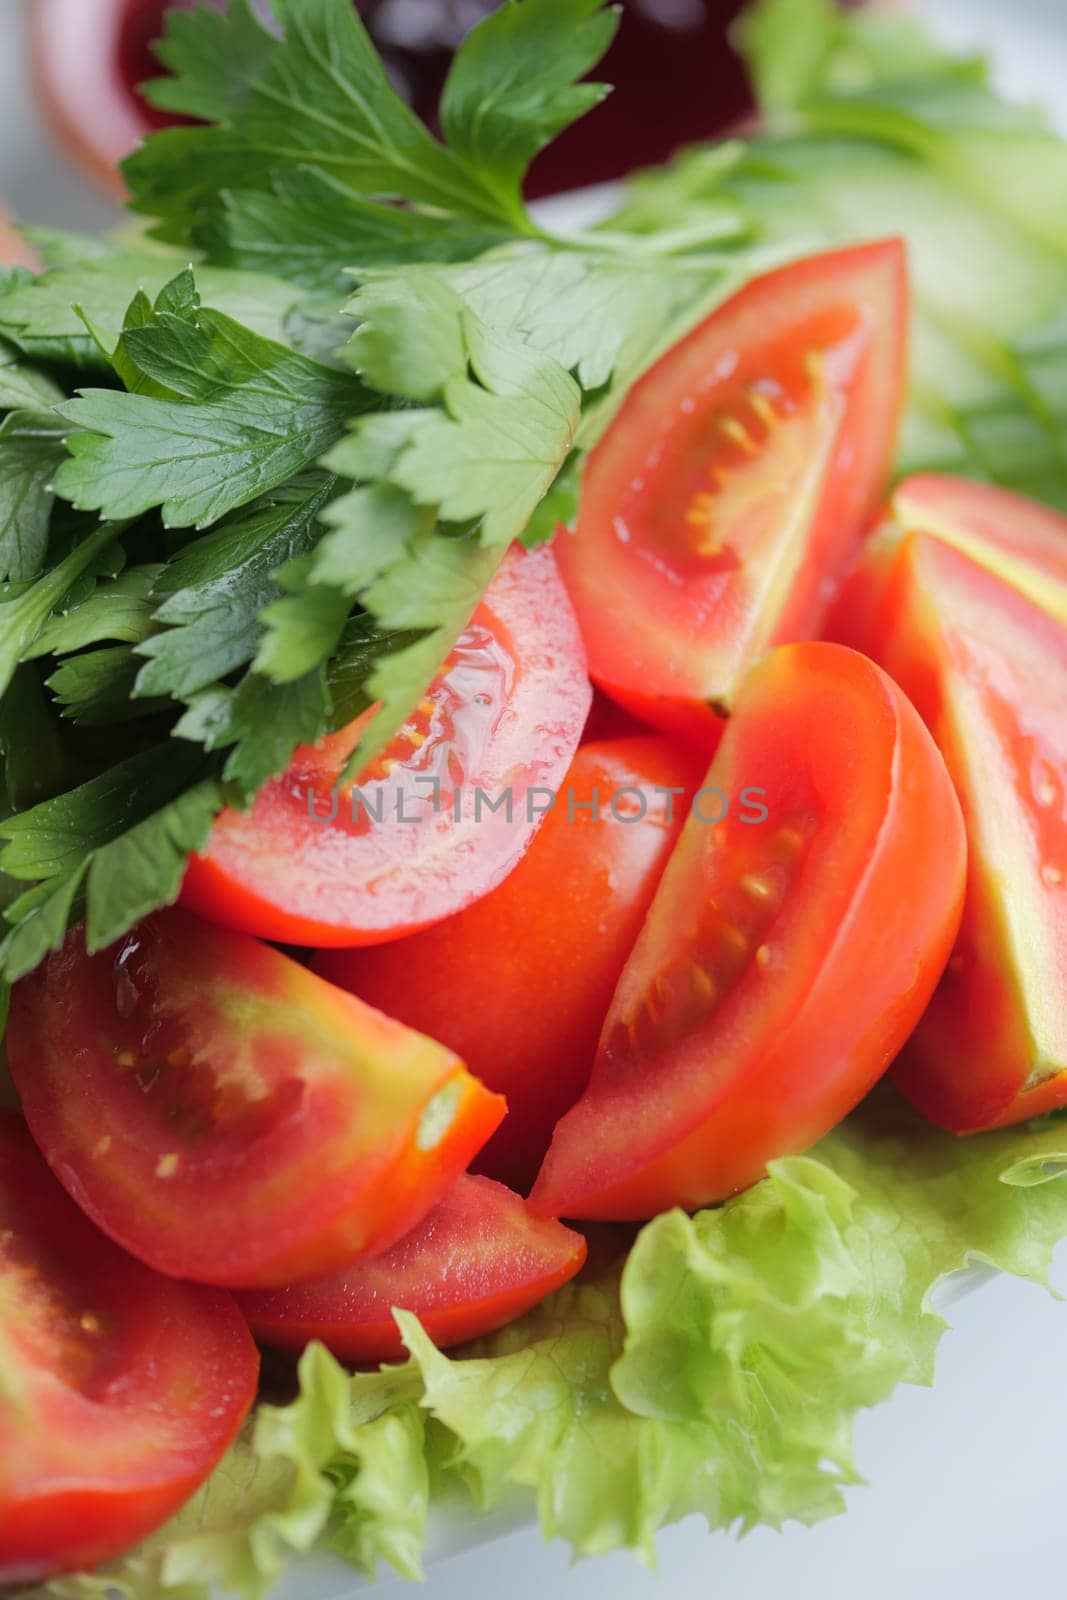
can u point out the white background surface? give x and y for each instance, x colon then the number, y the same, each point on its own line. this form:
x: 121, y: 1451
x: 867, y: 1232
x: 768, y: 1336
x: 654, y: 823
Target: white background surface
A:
x: 967, y: 1481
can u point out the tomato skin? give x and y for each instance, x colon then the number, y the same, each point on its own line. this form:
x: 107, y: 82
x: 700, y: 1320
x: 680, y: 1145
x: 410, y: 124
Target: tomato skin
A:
x: 512, y: 708
x: 475, y: 1263
x: 731, y: 428
x: 519, y: 983
x: 190, y: 1073
x: 783, y: 962
x: 122, y: 1389
x: 987, y: 670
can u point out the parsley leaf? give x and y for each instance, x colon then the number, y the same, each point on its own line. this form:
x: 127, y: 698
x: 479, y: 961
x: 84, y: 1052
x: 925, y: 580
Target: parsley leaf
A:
x: 593, y: 313
x: 246, y: 415
x: 120, y: 609
x: 26, y: 608
x: 129, y: 830
x: 41, y: 917
x: 495, y: 449
x: 259, y: 722
x: 213, y: 593
x: 318, y: 96
x: 512, y: 86
x: 95, y: 688
x: 32, y: 446
x: 312, y: 229
x: 599, y: 316
x: 51, y: 839
x: 303, y: 628
x: 22, y: 387
x: 33, y: 769
x: 508, y: 420
x: 143, y: 867
x: 48, y: 314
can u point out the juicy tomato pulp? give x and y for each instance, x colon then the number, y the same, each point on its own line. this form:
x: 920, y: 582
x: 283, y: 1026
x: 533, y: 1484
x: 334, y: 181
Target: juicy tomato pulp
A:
x: 518, y: 984
x: 442, y: 815
x: 476, y: 1262
x: 226, y: 1115
x: 119, y: 1390
x: 987, y: 669
x: 721, y: 506
x: 786, y: 958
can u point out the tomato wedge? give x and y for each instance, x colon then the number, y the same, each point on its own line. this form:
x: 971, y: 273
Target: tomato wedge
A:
x: 1021, y: 541
x: 519, y: 984
x: 785, y: 960
x: 476, y: 1262
x: 731, y: 489
x: 987, y: 669
x: 120, y: 1389
x: 444, y: 813
x: 226, y: 1115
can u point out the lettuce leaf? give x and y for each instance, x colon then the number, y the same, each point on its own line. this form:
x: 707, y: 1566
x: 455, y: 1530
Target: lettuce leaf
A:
x: 717, y: 1368
x: 721, y: 1372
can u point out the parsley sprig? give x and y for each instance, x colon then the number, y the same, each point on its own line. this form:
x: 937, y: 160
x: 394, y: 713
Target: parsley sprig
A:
x: 310, y: 411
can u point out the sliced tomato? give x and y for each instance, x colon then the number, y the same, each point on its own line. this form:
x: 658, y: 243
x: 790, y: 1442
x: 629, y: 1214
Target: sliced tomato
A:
x: 789, y: 951
x: 226, y: 1115
x: 519, y: 984
x: 476, y: 1262
x: 987, y: 669
x: 732, y: 488
x: 1021, y: 541
x: 445, y: 812
x: 120, y: 1389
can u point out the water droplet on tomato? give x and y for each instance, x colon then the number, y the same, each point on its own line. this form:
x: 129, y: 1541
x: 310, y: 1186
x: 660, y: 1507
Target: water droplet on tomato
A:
x: 127, y: 992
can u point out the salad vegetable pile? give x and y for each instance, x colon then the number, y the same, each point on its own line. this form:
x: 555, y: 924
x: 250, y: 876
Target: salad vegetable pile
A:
x: 354, y: 939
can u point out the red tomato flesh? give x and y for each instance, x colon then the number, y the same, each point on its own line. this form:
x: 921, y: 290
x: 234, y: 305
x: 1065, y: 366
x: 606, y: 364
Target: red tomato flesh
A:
x: 784, y: 961
x: 502, y: 719
x: 120, y: 1389
x: 476, y: 1262
x: 987, y: 669
x: 732, y: 487
x: 226, y: 1115
x: 519, y: 984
